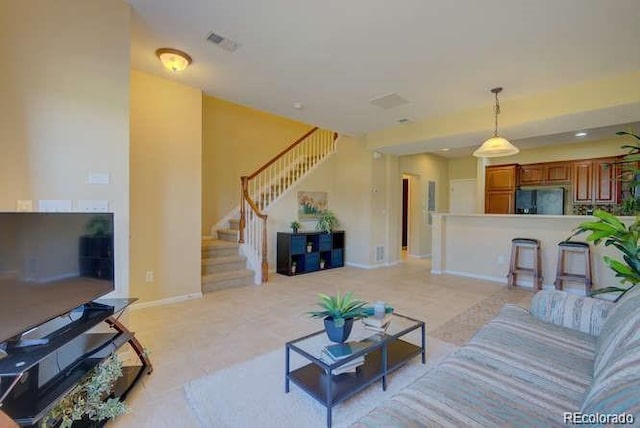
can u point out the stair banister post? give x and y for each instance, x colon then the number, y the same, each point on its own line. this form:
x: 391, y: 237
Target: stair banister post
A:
x: 265, y: 263
x: 243, y: 219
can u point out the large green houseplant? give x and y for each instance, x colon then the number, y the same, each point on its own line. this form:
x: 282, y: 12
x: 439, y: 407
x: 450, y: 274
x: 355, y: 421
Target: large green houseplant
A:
x: 612, y: 231
x: 339, y: 312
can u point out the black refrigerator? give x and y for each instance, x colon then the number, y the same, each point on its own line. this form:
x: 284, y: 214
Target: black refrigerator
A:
x: 540, y: 201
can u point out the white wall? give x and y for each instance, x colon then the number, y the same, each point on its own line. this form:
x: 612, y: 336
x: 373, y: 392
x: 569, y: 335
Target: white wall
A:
x: 64, y: 108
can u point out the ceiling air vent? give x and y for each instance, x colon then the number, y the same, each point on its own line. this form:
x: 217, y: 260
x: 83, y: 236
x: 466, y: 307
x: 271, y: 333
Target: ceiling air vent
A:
x: 223, y: 42
x: 388, y: 101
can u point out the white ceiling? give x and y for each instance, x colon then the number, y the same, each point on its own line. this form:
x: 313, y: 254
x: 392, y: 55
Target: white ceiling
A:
x: 333, y: 56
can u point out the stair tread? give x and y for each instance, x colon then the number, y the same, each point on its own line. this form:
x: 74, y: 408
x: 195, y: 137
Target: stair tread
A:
x: 219, y: 243
x: 223, y: 260
x: 228, y: 230
x: 224, y: 276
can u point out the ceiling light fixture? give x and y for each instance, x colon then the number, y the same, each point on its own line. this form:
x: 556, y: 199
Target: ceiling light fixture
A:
x: 496, y: 146
x: 580, y: 134
x: 173, y: 59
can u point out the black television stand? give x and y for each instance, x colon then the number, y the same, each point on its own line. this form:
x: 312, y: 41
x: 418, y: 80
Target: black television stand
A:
x: 34, y: 379
x: 26, y: 343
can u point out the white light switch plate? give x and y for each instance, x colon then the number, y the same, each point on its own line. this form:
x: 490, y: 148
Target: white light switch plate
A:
x: 54, y: 205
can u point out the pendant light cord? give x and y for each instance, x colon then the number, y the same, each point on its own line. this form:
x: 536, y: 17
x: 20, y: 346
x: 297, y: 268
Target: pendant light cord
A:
x: 497, y: 112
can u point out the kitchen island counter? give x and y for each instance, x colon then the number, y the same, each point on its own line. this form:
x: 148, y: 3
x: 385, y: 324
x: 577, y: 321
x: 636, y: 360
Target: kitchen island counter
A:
x: 479, y: 246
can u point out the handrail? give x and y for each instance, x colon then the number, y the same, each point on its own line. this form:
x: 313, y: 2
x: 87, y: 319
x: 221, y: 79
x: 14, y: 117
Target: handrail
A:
x: 247, y: 200
x: 279, y: 155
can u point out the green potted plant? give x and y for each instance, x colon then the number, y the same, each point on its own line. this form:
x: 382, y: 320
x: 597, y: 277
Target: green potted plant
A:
x: 322, y: 263
x: 338, y: 313
x: 90, y: 400
x: 295, y: 225
x: 309, y: 247
x: 610, y: 230
x: 327, y: 222
x: 293, y: 267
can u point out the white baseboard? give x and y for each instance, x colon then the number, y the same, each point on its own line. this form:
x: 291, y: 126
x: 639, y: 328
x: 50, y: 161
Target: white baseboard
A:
x: 420, y: 256
x: 167, y: 301
x: 521, y: 283
x: 376, y: 266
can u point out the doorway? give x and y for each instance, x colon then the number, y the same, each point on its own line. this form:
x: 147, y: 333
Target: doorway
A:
x: 405, y: 213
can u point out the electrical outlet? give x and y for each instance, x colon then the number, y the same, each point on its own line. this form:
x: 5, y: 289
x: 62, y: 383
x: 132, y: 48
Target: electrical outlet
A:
x: 24, y: 205
x: 148, y: 276
x: 500, y: 260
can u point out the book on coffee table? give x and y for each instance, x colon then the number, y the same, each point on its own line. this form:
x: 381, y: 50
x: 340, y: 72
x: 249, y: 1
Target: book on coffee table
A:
x: 340, y: 351
x: 377, y: 322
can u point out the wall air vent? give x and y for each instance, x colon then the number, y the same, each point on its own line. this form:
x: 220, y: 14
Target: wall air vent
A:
x: 379, y: 254
x: 225, y: 43
x: 388, y: 101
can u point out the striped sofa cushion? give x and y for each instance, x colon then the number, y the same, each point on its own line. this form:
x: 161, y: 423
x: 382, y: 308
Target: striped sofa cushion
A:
x: 616, y: 389
x: 585, y: 314
x: 620, y: 331
x: 516, y: 371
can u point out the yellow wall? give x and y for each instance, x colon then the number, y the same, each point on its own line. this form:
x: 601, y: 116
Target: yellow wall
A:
x: 237, y: 141
x: 64, y: 108
x: 463, y: 168
x: 166, y: 159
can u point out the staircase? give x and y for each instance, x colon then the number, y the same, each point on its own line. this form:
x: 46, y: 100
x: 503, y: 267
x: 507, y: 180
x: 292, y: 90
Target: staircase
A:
x: 222, y: 266
x: 268, y: 184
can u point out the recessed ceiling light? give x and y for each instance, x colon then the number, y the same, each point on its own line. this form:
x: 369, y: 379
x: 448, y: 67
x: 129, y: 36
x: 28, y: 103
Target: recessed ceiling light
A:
x: 446, y: 149
x: 298, y: 106
x: 580, y: 134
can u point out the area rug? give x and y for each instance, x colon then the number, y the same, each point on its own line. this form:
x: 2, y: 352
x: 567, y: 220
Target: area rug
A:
x: 251, y: 394
x: 461, y: 328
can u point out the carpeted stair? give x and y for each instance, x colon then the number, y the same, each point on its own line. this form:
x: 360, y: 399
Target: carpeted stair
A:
x: 222, y: 266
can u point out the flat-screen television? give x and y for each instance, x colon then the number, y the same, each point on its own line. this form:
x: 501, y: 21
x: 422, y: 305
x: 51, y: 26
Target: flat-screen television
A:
x: 51, y: 263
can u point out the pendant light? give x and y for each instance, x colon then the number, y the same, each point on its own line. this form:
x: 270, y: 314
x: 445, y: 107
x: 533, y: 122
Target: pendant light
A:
x: 496, y: 146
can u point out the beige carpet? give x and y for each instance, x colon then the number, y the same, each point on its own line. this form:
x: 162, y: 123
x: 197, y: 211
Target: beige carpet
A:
x: 251, y: 394
x: 461, y: 328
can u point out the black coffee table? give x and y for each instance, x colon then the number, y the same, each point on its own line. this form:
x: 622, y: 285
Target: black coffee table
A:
x: 383, y: 353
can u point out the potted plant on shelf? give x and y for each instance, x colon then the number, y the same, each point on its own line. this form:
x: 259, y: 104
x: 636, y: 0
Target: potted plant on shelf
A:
x: 90, y: 401
x: 612, y: 231
x: 295, y: 225
x: 327, y: 222
x: 293, y: 268
x: 339, y: 312
x: 322, y: 263
x: 309, y: 247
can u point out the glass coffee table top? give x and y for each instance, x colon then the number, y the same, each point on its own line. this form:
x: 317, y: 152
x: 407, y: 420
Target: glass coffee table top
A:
x: 314, y: 344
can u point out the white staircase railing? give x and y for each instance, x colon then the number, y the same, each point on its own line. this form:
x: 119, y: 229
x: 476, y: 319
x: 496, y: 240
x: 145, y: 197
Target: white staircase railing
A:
x: 265, y: 186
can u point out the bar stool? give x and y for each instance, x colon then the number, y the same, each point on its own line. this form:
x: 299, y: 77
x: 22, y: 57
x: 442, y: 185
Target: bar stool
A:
x: 562, y: 275
x: 517, y: 245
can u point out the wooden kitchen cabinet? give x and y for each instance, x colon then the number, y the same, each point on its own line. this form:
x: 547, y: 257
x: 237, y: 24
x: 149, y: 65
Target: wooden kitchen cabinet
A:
x: 531, y: 175
x: 557, y: 173
x: 501, y: 177
x: 595, y: 181
x: 500, y: 189
x: 499, y: 202
x: 540, y: 174
x: 605, y: 189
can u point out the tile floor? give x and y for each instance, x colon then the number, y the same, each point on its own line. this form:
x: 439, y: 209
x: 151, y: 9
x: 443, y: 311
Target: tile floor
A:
x: 194, y: 338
